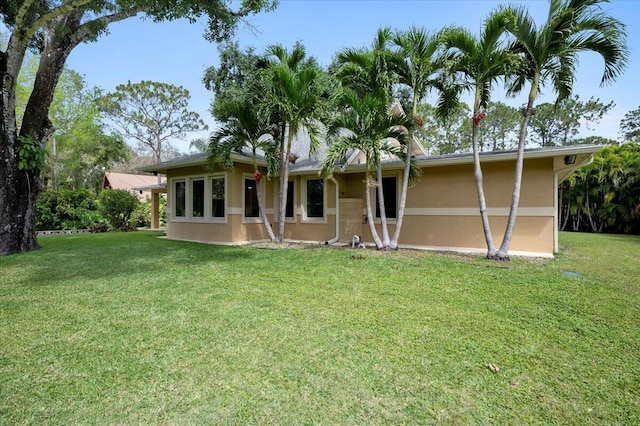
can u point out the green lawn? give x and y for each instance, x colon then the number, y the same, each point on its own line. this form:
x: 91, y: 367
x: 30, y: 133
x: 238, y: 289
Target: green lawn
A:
x: 129, y: 328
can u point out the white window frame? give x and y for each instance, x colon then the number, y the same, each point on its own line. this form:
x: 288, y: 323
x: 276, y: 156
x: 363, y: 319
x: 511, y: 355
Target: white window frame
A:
x: 374, y: 198
x: 303, y: 202
x: 209, y: 201
x: 294, y: 218
x: 190, y: 199
x: 174, y: 216
x: 188, y: 181
x: 260, y: 188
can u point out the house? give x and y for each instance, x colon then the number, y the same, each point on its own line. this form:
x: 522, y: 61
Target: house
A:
x: 136, y: 184
x: 441, y: 213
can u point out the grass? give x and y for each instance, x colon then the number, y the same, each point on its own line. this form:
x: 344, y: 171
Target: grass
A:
x: 129, y: 328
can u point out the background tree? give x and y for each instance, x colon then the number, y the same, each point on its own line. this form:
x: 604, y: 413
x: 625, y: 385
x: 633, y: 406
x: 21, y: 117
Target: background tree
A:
x: 558, y: 124
x: 79, y: 150
x: 54, y: 29
x: 499, y: 129
x: 151, y: 113
x: 604, y: 196
x: 198, y: 145
x: 550, y: 55
x: 446, y: 135
x: 233, y: 78
x: 630, y: 126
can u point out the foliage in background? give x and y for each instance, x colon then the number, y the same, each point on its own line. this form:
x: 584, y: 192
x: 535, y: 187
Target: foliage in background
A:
x: 605, y: 195
x: 67, y: 209
x: 630, y: 126
x: 151, y: 113
x: 558, y: 124
x: 117, y: 206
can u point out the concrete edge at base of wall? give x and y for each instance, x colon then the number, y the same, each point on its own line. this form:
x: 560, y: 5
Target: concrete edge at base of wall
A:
x: 63, y: 232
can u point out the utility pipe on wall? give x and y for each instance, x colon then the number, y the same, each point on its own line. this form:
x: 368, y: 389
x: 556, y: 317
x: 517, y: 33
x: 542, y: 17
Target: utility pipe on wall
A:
x: 337, y: 237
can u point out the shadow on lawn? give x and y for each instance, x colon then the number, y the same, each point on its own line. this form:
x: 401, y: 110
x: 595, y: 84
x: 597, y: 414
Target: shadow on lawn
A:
x: 96, y: 256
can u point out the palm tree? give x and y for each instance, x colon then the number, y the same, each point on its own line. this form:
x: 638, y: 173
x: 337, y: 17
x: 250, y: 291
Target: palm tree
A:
x: 415, y: 63
x: 296, y: 98
x: 550, y: 54
x: 244, y: 127
x: 362, y: 125
x: 477, y: 64
x: 368, y: 73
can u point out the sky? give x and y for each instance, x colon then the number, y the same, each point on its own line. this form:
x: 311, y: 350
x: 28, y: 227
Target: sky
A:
x: 177, y: 53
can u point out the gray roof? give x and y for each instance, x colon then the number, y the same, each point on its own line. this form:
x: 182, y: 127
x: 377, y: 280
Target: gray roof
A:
x: 306, y: 164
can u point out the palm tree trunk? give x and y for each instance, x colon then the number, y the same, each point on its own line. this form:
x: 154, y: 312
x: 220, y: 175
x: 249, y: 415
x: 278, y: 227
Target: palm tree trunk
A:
x: 372, y: 225
x: 503, y: 252
x: 261, y: 209
x: 383, y: 212
x: 284, y: 177
x: 403, y: 197
x: 477, y: 173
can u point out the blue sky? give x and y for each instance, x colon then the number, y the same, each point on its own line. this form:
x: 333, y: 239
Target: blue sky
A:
x: 176, y: 52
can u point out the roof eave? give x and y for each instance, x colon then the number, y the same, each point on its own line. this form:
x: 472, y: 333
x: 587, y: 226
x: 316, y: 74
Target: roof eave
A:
x: 164, y: 167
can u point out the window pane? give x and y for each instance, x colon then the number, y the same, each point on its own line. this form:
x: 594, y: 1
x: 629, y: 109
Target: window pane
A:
x: 180, y: 199
x: 217, y: 197
x: 250, y: 199
x: 315, y: 198
x: 390, y: 190
x: 197, y: 198
x: 289, y: 210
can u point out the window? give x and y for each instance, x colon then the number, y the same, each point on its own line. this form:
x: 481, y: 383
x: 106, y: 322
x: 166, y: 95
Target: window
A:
x: 197, y: 198
x: 290, y: 193
x: 390, y: 190
x: 251, y: 198
x: 180, y: 198
x: 315, y: 198
x: 217, y: 197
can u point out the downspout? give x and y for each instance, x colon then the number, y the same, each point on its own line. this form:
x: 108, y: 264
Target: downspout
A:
x: 337, y: 237
x: 556, y: 231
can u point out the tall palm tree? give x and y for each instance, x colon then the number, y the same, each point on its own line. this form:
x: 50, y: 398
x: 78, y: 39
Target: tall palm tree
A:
x: 550, y: 55
x: 362, y: 125
x: 296, y: 98
x: 368, y: 73
x: 416, y: 63
x: 244, y: 127
x: 477, y: 64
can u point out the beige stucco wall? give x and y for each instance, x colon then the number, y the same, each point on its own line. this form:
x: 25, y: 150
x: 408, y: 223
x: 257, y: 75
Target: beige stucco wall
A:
x: 442, y: 208
x: 237, y: 229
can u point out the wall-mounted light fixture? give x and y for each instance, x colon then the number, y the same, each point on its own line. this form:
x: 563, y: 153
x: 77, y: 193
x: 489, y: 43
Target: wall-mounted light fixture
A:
x: 569, y: 159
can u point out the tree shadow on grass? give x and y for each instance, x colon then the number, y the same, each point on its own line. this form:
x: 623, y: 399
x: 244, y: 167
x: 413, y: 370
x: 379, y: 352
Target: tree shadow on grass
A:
x: 117, y: 254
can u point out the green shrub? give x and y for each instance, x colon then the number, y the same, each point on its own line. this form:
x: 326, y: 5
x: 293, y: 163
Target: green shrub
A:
x: 67, y: 209
x: 117, y: 206
x: 141, y: 217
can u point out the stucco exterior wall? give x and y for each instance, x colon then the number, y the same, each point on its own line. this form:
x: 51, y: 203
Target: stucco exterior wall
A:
x: 442, y: 208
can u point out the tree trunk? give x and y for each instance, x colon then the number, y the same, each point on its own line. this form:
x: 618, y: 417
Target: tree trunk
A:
x: 372, y: 225
x: 263, y: 212
x: 393, y: 245
x: 284, y: 183
x: 383, y: 210
x: 477, y: 173
x: 19, y: 189
x: 503, y: 252
x: 17, y: 230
